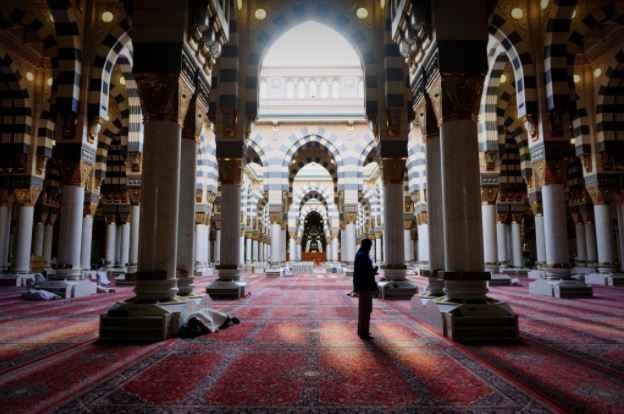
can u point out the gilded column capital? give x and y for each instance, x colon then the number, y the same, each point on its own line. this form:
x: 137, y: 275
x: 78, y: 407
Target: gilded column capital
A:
x: 489, y: 194
x: 90, y: 209
x: 350, y: 218
x: 27, y: 196
x: 600, y: 195
x: 548, y: 172
x: 461, y: 95
x: 166, y: 97
x: 77, y: 173
x: 230, y: 170
x: 135, y: 195
x: 502, y: 217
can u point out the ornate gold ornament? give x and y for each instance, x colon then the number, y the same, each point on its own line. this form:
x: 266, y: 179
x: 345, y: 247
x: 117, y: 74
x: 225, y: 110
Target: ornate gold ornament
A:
x: 27, y: 196
x: 461, y: 95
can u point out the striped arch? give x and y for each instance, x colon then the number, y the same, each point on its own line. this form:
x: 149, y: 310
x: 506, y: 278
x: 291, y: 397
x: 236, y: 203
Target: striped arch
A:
x: 16, y: 112
x: 66, y: 87
x: 207, y: 171
x: 115, y: 44
x: 280, y: 20
x: 557, y: 67
x: 135, y: 109
x: 505, y: 38
x: 110, y: 132
x: 254, y: 152
x: 609, y: 108
x: 306, y: 136
x: 370, y: 150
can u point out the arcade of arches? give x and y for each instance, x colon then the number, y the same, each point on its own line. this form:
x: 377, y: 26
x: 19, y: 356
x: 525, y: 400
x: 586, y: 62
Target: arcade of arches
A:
x: 192, y: 154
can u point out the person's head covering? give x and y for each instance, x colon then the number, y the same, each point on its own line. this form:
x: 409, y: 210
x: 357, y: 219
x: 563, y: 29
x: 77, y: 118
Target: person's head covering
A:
x: 366, y: 244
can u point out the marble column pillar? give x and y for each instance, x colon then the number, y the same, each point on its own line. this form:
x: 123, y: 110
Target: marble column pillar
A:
x: 291, y: 250
x: 604, y: 238
x: 70, y: 235
x: 38, y: 239
x: 24, y: 239
x: 255, y: 251
x: 125, y: 243
x: 378, y: 250
x: 620, y: 218
x: 5, y: 231
x: 199, y: 247
x: 284, y: 244
x: 135, y: 219
x: 217, y: 247
x: 229, y: 283
x: 118, y: 246
x: 334, y: 249
x: 540, y: 240
x: 590, y: 239
x: 393, y: 231
x: 111, y: 240
x: 516, y: 244
x: 248, y: 251
x: 87, y: 239
x: 158, y: 255
x: 490, y: 244
x: 276, y: 237
x: 349, y: 243
x: 187, y: 218
x: 207, y: 243
x: 501, y: 243
x: 555, y: 228
x: 581, y: 244
x: 423, y: 244
x: 408, y: 246
x: 48, y: 240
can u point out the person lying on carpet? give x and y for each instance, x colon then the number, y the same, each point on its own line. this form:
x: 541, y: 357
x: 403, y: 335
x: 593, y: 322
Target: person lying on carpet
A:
x: 207, y: 321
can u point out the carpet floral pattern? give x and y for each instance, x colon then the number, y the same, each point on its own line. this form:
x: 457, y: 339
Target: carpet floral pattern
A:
x: 296, y: 351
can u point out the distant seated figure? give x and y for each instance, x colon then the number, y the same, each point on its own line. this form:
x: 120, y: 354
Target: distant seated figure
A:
x: 207, y: 321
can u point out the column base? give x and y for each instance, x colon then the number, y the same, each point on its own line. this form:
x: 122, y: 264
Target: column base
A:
x: 185, y: 285
x: 69, y: 288
x: 499, y: 279
x: 143, y: 322
x: 560, y: 288
x: 273, y: 271
x: 397, y: 289
x: 488, y: 322
x: 605, y: 279
x: 17, y: 279
x: 226, y: 289
x: 348, y: 270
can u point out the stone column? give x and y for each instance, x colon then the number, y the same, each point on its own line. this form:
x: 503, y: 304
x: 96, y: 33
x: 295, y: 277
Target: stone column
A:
x: 604, y: 238
x: 501, y: 240
x: 423, y: 244
x: 396, y: 284
x: 229, y: 284
x: 125, y: 242
x: 158, y: 255
x: 118, y: 235
x: 241, y: 250
x: 87, y: 239
x: 217, y: 246
x: 581, y: 244
x: 208, y: 251
x: 187, y: 218
x: 490, y: 244
x: 378, y: 250
x: 590, y: 239
x: 199, y: 247
x: 5, y: 231
x: 135, y: 218
x: 111, y: 239
x: 284, y: 243
x: 70, y: 235
x: 516, y: 242
x: 349, y: 239
x: 24, y: 238
x: 38, y: 238
x: 334, y: 249
x: 556, y: 279
x: 276, y: 237
x: 408, y: 245
x: 291, y: 249
x: 540, y: 241
x: 48, y: 239
x: 248, y: 250
x: 620, y: 218
x: 255, y: 251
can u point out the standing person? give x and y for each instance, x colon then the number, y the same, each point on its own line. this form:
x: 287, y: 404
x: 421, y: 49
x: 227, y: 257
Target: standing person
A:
x: 365, y: 286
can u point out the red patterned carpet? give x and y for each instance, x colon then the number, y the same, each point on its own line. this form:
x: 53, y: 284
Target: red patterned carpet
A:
x: 296, y: 351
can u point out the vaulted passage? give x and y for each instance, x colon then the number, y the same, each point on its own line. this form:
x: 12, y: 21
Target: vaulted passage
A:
x: 164, y: 161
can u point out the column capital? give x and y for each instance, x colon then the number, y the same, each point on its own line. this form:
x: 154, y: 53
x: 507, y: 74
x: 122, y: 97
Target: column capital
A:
x: 230, y: 170
x: 393, y: 170
x: 166, y: 96
x: 600, y: 195
x: 489, y: 194
x: 27, y: 196
x: 548, y: 172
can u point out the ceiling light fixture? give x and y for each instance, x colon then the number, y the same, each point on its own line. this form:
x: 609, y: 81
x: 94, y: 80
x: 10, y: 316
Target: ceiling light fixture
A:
x: 361, y: 13
x: 577, y: 78
x: 49, y: 81
x: 597, y: 72
x: 30, y: 76
x: 260, y: 14
x: 107, y: 16
x: 503, y: 78
x: 517, y: 13
x: 544, y: 4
